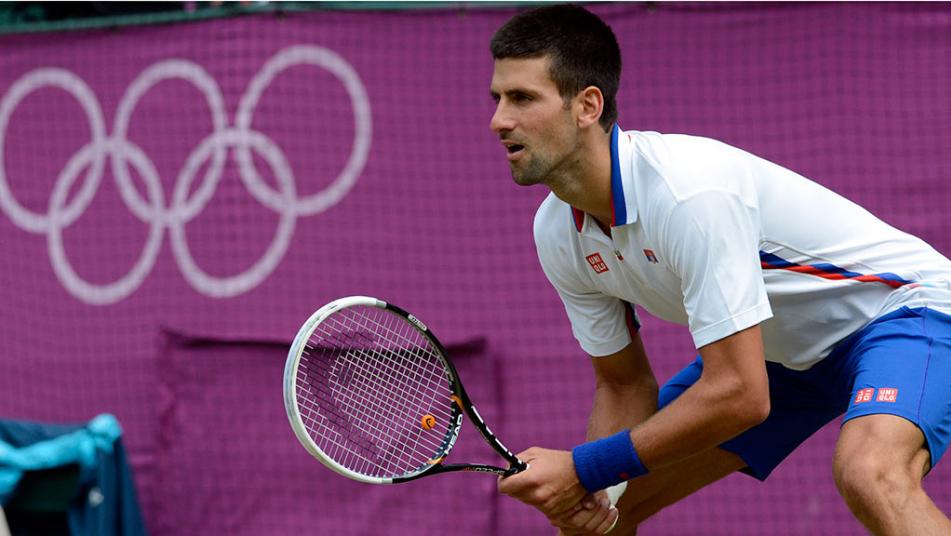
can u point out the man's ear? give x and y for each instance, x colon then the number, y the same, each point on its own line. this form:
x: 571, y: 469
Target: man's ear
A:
x: 590, y: 106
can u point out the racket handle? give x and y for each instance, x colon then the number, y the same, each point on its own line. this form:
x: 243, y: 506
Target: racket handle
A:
x: 615, y: 492
x: 515, y: 468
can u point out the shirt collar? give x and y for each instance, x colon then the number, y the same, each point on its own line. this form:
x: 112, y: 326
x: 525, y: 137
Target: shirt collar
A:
x: 622, y: 206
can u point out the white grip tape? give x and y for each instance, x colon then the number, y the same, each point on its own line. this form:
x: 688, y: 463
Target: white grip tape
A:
x: 615, y: 492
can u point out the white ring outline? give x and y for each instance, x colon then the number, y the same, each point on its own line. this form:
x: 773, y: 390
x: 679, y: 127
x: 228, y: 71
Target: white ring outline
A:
x: 222, y: 287
x: 147, y: 79
x: 183, y: 208
x: 111, y: 292
x: 320, y: 57
x: 72, y: 84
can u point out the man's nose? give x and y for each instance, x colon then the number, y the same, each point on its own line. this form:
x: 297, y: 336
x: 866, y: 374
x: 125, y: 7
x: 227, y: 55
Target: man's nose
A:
x: 501, y: 120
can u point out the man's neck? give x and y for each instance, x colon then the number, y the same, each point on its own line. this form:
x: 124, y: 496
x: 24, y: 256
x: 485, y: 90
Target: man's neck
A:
x: 587, y: 184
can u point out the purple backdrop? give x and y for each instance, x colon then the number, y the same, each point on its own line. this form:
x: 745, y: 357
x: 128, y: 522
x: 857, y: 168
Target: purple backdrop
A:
x: 177, y: 199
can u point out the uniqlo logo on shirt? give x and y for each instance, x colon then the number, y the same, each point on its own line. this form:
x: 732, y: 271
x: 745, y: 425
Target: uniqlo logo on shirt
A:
x: 597, y: 263
x: 864, y: 395
x: 887, y: 394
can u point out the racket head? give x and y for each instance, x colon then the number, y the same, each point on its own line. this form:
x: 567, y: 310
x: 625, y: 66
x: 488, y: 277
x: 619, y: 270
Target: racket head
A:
x: 370, y: 392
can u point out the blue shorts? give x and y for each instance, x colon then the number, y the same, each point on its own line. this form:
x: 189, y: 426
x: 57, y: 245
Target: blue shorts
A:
x: 900, y: 364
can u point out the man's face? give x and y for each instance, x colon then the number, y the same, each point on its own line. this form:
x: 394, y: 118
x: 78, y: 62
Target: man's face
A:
x: 536, y: 129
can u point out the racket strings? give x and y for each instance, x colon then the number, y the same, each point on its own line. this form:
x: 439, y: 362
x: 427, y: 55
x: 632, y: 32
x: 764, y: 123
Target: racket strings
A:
x: 365, y: 380
x: 430, y: 375
x: 333, y: 424
x: 398, y: 445
x: 359, y: 423
x: 360, y: 433
x: 411, y: 377
x: 337, y: 428
x: 367, y: 408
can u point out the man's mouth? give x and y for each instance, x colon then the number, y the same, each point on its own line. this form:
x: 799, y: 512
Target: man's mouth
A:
x: 514, y: 150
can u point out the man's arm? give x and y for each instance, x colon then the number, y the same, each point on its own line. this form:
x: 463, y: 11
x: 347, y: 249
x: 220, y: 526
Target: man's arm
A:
x: 625, y: 391
x: 731, y: 396
x: 625, y: 395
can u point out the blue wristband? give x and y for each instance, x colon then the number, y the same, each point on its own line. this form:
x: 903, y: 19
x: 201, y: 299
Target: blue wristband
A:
x: 603, y: 463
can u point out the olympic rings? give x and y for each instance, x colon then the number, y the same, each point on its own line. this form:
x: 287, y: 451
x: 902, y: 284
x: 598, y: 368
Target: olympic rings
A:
x: 174, y: 216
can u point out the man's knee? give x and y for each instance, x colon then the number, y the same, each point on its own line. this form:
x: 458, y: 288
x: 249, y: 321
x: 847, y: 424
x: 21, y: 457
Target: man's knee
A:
x: 872, y: 478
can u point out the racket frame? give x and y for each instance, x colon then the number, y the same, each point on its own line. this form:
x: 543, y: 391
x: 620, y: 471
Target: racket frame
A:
x: 462, y: 404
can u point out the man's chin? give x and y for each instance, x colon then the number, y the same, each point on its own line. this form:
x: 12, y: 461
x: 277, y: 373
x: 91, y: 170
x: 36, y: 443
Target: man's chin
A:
x: 525, y: 179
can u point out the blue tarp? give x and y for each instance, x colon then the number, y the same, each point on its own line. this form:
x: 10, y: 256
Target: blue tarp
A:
x: 104, y: 502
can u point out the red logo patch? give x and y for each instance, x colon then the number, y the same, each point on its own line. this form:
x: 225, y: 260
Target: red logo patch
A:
x: 597, y: 263
x: 649, y: 253
x: 887, y: 394
x: 864, y: 395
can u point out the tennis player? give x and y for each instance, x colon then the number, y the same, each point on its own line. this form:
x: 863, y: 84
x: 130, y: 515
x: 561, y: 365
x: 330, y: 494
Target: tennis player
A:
x: 803, y: 305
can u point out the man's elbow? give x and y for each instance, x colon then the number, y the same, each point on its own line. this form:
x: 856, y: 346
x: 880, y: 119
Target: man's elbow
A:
x: 745, y: 402
x: 755, y: 405
x: 759, y: 410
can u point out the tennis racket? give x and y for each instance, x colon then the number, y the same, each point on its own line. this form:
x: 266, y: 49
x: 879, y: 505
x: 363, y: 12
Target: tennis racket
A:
x: 370, y: 392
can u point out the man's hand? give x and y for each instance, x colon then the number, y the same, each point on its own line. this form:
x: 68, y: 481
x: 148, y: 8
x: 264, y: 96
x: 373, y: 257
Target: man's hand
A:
x: 549, y: 484
x: 596, y: 516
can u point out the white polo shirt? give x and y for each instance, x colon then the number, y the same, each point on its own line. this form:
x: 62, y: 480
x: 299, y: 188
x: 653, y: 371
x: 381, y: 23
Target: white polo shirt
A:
x: 715, y: 238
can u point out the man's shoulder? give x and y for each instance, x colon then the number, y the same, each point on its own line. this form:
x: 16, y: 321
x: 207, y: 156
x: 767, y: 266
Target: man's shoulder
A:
x: 661, y: 145
x: 673, y: 154
x: 551, y: 218
x: 683, y: 165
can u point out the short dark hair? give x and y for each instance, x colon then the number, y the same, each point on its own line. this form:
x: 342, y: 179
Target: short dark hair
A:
x: 582, y: 49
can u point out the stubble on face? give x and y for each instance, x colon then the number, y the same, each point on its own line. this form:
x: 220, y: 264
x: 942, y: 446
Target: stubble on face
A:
x: 534, y: 172
x: 533, y: 121
x: 549, y: 158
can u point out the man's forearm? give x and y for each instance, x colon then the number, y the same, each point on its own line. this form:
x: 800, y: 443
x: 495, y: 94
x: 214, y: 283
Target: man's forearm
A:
x: 731, y: 396
x: 702, y: 417
x: 620, y: 406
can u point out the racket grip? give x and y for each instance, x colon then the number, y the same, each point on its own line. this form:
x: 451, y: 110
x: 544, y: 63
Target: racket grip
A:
x: 615, y: 492
x: 515, y: 468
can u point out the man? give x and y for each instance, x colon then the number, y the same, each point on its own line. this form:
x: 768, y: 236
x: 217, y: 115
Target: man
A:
x: 802, y: 304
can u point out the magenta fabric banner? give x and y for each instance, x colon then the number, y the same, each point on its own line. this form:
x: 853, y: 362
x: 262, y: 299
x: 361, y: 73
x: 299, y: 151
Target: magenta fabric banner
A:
x: 175, y: 200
